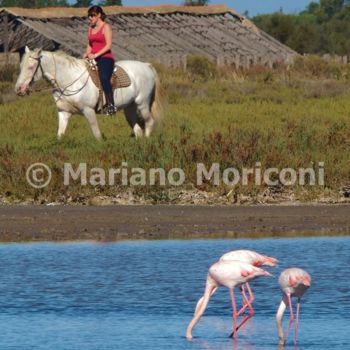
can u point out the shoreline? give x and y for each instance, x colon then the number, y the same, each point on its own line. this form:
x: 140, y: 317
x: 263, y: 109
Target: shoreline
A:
x: 133, y: 222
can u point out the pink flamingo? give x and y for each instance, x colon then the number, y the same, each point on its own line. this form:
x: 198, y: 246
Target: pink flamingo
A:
x: 229, y: 274
x: 293, y: 282
x: 250, y: 257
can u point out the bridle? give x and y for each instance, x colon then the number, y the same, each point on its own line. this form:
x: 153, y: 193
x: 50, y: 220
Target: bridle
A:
x: 62, y: 91
x: 38, y: 59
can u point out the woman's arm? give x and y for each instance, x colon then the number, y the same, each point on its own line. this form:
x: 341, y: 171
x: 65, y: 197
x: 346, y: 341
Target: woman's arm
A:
x: 87, y: 51
x: 108, y: 37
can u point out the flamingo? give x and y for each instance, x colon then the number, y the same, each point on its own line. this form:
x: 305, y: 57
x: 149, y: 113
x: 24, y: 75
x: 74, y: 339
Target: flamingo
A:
x: 253, y: 258
x: 229, y: 274
x: 293, y: 282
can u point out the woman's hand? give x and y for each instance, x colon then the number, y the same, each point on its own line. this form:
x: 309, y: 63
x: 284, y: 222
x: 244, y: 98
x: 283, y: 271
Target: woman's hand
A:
x: 91, y: 56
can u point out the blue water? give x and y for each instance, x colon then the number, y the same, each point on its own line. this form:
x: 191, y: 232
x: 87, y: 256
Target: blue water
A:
x: 141, y: 295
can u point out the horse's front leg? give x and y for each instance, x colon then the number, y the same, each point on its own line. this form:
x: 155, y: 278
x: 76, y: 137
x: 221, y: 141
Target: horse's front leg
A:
x: 63, y: 118
x: 91, y: 117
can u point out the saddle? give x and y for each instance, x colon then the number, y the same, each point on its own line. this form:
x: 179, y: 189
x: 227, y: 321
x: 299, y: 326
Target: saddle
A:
x: 119, y: 79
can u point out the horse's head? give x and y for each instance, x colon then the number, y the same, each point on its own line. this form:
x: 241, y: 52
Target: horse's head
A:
x: 30, y: 71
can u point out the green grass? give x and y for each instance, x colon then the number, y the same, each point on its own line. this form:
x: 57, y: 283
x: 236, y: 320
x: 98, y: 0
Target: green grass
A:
x: 281, y: 118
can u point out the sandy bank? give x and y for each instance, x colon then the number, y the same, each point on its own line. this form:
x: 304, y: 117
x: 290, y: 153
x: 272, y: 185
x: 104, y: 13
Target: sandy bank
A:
x: 59, y: 223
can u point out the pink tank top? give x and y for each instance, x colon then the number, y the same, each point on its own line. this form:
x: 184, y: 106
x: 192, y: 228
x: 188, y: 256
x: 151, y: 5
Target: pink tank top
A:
x: 97, y: 42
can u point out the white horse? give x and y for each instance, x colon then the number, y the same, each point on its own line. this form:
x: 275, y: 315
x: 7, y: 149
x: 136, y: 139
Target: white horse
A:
x: 75, y: 92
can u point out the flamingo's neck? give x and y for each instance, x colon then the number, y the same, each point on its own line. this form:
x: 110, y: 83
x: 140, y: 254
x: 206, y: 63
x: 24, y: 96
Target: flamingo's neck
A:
x: 279, y: 317
x: 210, y: 287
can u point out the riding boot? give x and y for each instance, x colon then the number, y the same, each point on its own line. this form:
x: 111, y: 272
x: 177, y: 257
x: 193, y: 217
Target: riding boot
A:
x: 110, y: 108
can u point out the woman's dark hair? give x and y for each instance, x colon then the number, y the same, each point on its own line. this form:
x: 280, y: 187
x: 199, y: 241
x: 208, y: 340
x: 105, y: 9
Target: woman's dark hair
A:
x: 95, y: 10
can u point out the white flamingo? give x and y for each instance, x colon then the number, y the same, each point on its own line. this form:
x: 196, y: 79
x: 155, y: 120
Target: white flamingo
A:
x: 229, y: 274
x: 250, y: 257
x: 293, y: 282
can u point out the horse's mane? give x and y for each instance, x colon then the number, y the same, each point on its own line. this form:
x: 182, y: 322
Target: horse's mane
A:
x: 72, y: 60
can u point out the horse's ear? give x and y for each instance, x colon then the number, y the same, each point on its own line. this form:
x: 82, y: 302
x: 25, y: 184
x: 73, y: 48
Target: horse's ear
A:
x: 26, y: 49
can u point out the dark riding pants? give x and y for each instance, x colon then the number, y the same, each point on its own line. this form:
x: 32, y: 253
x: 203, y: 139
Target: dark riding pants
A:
x: 105, y: 69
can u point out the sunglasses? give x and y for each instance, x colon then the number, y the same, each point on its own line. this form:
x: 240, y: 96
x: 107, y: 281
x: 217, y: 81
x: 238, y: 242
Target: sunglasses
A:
x: 92, y: 15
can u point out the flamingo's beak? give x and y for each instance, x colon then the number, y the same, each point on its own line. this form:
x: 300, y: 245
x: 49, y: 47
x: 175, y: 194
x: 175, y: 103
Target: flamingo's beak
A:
x: 281, y: 344
x: 271, y: 261
x: 307, y: 281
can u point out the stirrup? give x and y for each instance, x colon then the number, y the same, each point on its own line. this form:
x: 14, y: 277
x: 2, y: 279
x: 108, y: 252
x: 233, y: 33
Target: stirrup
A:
x: 110, y: 109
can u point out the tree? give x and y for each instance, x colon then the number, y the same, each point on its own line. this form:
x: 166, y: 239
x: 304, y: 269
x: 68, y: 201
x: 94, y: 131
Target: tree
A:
x: 52, y: 3
x: 111, y: 3
x: 59, y: 3
x: 337, y: 34
x: 328, y: 8
x: 7, y: 3
x: 278, y: 25
x: 313, y: 8
x: 305, y: 39
x: 196, y: 2
x: 83, y: 3
x: 324, y: 27
x: 33, y: 3
x: 19, y: 3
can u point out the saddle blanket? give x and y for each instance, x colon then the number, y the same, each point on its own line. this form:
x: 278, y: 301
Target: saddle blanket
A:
x: 120, y: 78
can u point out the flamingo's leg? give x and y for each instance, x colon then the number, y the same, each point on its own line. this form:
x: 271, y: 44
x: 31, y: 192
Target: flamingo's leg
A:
x: 247, y: 302
x: 291, y: 317
x: 234, y: 313
x: 247, y: 317
x: 251, y: 295
x: 296, y: 322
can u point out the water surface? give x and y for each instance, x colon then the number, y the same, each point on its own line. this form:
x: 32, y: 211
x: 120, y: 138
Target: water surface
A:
x: 141, y: 295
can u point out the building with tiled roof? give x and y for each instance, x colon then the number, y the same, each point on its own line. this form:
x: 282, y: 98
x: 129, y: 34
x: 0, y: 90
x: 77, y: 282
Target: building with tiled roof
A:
x: 166, y: 34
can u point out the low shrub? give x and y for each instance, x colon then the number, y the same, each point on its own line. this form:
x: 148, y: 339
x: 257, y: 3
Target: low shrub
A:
x: 201, y: 67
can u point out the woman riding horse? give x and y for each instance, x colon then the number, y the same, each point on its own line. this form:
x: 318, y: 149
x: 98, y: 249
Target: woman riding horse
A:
x: 99, y: 49
x: 75, y: 93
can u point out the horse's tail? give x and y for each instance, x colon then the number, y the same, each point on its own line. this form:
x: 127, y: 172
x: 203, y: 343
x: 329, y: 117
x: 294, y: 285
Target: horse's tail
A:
x: 157, y: 101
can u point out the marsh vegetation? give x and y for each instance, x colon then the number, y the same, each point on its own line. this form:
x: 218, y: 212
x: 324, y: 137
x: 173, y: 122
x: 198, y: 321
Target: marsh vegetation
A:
x: 286, y: 117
